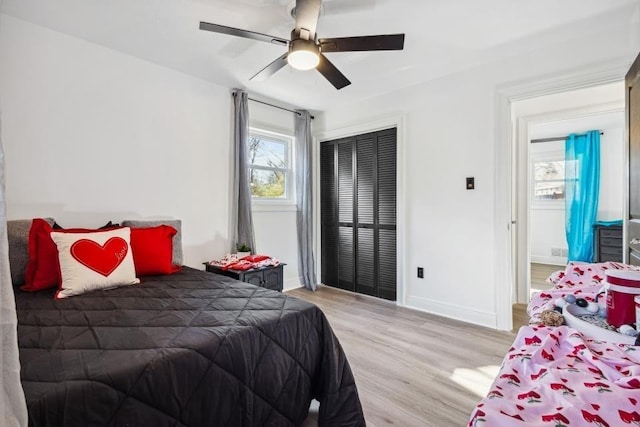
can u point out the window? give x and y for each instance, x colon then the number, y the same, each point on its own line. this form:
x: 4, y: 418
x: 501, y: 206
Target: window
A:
x: 548, y: 180
x: 270, y: 166
x: 549, y: 172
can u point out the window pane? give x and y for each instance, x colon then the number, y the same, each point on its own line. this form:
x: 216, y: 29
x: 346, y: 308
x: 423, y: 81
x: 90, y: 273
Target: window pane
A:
x: 266, y: 152
x: 265, y: 183
x: 545, y: 171
x: 549, y: 190
x: 549, y: 180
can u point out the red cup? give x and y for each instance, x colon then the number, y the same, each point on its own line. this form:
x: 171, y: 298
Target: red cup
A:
x: 622, y: 287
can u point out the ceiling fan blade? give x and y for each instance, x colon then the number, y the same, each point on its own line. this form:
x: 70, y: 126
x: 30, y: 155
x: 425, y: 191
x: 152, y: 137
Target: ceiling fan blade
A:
x: 270, y: 69
x: 216, y: 28
x: 352, y: 44
x: 307, y: 13
x: 331, y: 73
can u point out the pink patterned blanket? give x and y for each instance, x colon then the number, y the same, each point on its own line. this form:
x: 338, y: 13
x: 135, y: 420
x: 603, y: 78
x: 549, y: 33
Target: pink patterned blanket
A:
x: 580, y: 279
x: 553, y: 376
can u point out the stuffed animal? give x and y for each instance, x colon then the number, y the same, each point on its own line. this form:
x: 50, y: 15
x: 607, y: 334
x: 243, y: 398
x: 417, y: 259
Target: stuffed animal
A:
x: 551, y: 318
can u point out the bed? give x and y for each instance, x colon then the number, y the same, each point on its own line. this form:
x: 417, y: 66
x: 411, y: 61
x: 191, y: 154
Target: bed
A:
x: 557, y: 376
x: 188, y: 349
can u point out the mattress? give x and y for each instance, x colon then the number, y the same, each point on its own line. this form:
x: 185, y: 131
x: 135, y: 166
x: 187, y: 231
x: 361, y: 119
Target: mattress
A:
x: 188, y: 349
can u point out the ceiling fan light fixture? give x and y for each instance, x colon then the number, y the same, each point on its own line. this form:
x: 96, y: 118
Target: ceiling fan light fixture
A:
x: 303, y: 54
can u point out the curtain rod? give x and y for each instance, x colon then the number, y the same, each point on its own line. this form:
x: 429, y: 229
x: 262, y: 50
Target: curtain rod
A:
x: 555, y: 138
x: 277, y: 106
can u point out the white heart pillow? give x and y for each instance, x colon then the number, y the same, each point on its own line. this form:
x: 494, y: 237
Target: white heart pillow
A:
x: 94, y: 260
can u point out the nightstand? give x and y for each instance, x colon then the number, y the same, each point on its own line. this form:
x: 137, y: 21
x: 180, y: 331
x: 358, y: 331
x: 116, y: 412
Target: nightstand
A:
x: 270, y: 277
x: 607, y: 243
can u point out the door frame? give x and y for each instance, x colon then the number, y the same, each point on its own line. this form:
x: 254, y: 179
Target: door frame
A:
x: 353, y: 130
x: 504, y: 270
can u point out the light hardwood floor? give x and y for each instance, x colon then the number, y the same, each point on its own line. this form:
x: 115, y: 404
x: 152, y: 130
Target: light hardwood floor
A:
x: 539, y: 274
x: 411, y: 368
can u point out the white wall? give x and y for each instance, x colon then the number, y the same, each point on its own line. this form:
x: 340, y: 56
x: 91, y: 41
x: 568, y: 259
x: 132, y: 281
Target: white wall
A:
x: 448, y: 134
x: 275, y: 225
x: 92, y: 135
x: 612, y: 174
x: 547, y: 217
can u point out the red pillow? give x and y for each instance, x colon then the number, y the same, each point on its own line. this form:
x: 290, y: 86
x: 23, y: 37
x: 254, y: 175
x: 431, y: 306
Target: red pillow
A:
x: 152, y: 250
x: 43, y: 269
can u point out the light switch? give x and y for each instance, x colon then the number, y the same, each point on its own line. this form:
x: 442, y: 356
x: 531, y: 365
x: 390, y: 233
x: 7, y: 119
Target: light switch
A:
x: 471, y: 184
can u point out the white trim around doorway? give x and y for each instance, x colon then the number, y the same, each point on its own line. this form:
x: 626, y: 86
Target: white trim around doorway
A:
x: 504, y: 269
x: 524, y: 123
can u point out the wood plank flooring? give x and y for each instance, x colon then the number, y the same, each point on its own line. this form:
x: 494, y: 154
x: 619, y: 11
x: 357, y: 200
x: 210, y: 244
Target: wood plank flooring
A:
x: 411, y: 368
x: 520, y: 316
x: 539, y: 274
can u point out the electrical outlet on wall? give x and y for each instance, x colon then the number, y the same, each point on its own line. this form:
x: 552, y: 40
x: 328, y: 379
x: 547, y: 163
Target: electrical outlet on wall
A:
x: 420, y: 273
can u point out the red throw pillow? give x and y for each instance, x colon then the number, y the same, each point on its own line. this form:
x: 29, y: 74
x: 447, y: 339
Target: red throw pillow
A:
x: 43, y: 269
x: 152, y: 250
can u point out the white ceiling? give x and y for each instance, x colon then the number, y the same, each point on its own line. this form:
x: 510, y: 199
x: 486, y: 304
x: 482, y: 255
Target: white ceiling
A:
x: 442, y: 36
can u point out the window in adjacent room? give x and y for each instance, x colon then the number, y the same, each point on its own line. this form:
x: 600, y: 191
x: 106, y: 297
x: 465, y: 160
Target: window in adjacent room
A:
x: 548, y: 179
x: 270, y: 169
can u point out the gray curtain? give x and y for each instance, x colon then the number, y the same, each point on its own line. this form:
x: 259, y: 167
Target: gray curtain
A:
x: 13, y: 409
x: 241, y: 220
x: 306, y: 264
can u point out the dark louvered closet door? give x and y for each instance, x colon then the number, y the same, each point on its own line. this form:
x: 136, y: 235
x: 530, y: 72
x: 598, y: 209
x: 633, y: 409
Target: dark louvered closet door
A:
x: 365, y: 214
x: 386, y: 224
x: 358, y: 213
x: 345, y: 214
x: 329, y: 214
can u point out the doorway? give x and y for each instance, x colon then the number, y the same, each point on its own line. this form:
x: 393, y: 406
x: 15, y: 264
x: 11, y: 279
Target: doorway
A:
x: 358, y: 213
x: 540, y: 126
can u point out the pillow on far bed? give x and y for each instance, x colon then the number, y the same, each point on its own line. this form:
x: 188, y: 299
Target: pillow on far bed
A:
x: 18, y: 236
x: 95, y: 260
x: 177, y: 257
x: 153, y: 250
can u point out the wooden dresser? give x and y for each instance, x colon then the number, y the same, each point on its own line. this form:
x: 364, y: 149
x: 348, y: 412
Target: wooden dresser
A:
x: 607, y: 243
x: 270, y: 277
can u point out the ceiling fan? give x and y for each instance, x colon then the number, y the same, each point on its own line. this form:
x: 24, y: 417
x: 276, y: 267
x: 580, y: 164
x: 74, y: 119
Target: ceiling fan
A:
x: 305, y: 50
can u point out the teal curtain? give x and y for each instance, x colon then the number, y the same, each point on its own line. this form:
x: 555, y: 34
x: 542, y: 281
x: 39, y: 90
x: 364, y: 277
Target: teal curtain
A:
x: 582, y: 188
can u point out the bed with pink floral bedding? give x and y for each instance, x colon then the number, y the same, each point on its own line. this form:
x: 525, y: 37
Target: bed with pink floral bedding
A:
x: 580, y: 279
x: 556, y: 376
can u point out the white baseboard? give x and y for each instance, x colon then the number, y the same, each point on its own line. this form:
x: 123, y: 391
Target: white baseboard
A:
x: 465, y: 314
x: 292, y: 283
x: 553, y: 260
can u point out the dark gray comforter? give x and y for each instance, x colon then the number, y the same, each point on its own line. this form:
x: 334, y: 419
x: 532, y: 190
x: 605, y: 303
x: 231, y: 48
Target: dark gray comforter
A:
x: 190, y: 349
